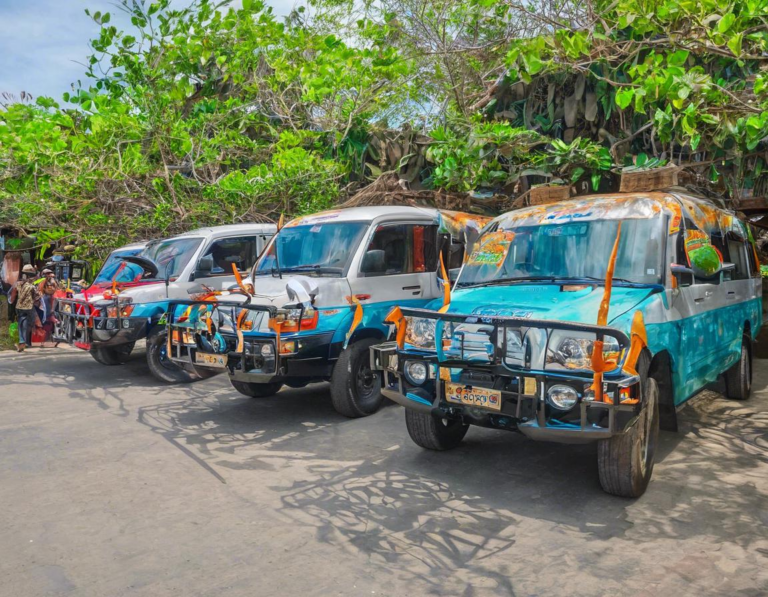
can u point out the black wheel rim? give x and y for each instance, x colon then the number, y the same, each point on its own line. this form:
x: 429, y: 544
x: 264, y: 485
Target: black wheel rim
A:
x: 162, y: 356
x: 365, y: 385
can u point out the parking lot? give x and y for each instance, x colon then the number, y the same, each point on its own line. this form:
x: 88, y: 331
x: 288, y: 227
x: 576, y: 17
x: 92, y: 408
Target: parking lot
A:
x: 113, y: 485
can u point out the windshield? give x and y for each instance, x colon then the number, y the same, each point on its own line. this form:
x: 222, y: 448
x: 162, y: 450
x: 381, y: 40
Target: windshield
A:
x: 579, y: 250
x: 320, y: 248
x: 115, y: 268
x: 172, y: 254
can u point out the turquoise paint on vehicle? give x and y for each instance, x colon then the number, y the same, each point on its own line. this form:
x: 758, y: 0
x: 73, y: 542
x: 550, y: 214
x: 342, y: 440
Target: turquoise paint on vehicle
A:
x: 521, y: 327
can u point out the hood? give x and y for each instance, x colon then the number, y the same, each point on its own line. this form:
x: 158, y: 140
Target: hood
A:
x: 546, y: 301
x: 270, y: 290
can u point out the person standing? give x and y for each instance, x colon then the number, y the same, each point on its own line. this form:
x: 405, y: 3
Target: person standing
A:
x: 24, y: 295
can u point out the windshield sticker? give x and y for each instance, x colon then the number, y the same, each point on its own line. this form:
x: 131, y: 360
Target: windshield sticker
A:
x: 493, y: 249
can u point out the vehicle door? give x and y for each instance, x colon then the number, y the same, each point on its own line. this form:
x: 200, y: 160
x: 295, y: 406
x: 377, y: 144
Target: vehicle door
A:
x: 214, y: 265
x: 697, y: 303
x: 398, y: 266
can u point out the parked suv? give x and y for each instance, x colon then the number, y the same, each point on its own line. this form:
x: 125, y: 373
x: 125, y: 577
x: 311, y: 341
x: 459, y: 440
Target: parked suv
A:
x: 317, y: 301
x: 587, y: 320
x: 131, y: 294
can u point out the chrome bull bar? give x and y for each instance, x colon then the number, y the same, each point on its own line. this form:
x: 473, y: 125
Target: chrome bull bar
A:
x: 194, y: 330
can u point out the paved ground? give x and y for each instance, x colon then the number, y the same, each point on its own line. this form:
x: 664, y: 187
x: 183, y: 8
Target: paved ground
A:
x: 112, y: 485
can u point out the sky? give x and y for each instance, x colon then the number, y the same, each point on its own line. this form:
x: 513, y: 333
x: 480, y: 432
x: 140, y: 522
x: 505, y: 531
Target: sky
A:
x: 42, y: 41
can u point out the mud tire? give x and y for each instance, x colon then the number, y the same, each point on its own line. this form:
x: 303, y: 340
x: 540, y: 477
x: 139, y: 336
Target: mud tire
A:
x: 738, y: 379
x: 625, y: 462
x: 432, y: 433
x: 161, y: 367
x: 355, y: 388
x: 112, y: 355
x: 256, y: 390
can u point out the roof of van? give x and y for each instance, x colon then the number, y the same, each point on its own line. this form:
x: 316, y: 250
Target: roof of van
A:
x: 132, y: 247
x: 231, y: 228
x: 620, y: 206
x: 363, y: 214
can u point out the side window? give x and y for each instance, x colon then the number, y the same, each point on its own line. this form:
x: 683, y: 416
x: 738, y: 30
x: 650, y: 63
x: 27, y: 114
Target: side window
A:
x: 240, y: 251
x: 401, y: 249
x: 737, y: 255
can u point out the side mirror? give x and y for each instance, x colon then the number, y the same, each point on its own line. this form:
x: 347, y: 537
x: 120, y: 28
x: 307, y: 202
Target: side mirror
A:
x: 683, y: 275
x: 204, y: 266
x: 373, y: 262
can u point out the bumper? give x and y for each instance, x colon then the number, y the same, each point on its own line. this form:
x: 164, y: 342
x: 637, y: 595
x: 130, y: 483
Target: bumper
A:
x: 253, y: 357
x: 520, y: 394
x: 82, y: 326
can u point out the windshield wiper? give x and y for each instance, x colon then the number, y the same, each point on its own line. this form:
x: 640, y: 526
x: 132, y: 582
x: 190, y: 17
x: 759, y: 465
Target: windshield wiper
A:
x: 508, y: 281
x: 315, y: 269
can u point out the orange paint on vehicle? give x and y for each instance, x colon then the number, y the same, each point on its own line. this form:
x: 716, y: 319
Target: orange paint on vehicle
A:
x: 598, y: 361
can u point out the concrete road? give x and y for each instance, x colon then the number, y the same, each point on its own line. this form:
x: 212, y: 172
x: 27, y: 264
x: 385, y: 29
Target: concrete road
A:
x: 112, y: 485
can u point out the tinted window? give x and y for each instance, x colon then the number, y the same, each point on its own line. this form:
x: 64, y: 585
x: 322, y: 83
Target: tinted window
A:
x: 401, y: 249
x: 226, y: 252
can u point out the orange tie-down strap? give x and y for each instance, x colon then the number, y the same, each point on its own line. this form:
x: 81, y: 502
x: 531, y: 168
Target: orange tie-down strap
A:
x: 598, y: 362
x: 639, y: 340
x: 356, y: 318
x: 446, y: 286
x: 396, y: 317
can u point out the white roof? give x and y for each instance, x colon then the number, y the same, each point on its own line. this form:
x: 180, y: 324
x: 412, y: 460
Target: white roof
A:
x: 132, y: 247
x: 230, y: 229
x: 364, y: 214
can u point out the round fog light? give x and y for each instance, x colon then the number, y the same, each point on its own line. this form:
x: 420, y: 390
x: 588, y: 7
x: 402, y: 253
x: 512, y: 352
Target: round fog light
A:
x: 562, y: 397
x: 415, y: 372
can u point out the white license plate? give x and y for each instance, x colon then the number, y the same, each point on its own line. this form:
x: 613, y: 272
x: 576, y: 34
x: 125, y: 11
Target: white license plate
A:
x: 210, y: 360
x: 473, y: 396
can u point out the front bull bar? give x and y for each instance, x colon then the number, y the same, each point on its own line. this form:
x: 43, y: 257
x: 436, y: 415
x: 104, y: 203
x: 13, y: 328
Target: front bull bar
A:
x: 184, y: 352
x: 531, y: 380
x: 77, y: 319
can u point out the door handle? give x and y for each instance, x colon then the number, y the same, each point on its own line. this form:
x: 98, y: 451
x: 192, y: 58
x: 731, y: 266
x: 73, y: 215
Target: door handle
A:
x: 417, y: 287
x: 731, y: 294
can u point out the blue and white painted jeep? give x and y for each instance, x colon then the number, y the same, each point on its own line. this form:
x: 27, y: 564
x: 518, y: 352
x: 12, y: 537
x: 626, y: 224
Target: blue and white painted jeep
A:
x: 588, y: 320
x: 317, y: 298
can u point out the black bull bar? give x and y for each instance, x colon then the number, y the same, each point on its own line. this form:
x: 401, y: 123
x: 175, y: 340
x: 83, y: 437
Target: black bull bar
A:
x: 530, y: 412
x: 77, y: 320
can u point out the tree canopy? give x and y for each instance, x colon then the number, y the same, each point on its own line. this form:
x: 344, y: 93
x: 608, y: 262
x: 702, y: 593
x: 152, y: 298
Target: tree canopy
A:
x: 220, y: 112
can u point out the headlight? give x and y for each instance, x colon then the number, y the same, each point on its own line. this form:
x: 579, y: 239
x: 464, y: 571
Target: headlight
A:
x: 575, y: 351
x: 420, y: 332
x: 562, y: 397
x: 293, y: 319
x: 415, y: 372
x: 125, y: 307
x: 266, y: 350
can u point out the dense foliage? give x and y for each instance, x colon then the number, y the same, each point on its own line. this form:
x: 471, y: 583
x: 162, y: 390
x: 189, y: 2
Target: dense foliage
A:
x: 220, y: 112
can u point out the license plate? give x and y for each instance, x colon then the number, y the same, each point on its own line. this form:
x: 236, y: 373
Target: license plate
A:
x: 210, y: 360
x: 473, y: 396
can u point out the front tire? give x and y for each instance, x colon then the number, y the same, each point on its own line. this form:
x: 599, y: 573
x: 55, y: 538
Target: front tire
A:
x: 433, y: 433
x: 112, y: 355
x: 256, y: 390
x: 738, y: 379
x: 355, y: 388
x: 625, y: 461
x: 160, y: 365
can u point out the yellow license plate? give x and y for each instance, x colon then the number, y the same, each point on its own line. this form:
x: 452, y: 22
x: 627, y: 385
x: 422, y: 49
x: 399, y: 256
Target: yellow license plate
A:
x: 473, y: 396
x: 210, y: 360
